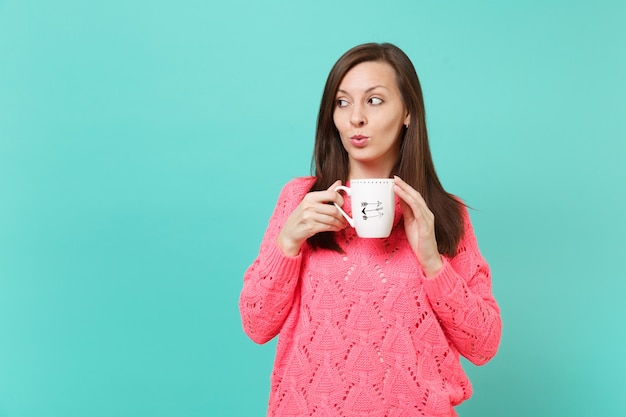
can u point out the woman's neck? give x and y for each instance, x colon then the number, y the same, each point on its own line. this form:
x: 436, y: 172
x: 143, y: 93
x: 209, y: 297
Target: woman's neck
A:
x: 361, y: 170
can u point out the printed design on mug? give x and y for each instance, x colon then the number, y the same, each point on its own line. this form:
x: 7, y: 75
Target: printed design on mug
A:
x: 372, y: 210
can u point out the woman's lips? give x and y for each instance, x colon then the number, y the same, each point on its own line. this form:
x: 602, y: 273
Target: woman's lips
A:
x: 359, y: 140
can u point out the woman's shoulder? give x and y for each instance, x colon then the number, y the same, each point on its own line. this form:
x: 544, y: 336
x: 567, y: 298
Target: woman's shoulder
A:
x: 298, y: 186
x: 465, y: 219
x: 292, y: 194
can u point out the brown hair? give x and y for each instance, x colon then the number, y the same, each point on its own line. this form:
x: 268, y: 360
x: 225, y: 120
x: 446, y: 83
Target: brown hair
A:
x: 414, y: 165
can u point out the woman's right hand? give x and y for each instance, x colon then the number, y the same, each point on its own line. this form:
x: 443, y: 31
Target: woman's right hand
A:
x: 313, y: 215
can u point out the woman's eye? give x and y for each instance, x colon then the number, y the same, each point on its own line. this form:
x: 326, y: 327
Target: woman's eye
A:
x: 341, y: 102
x: 376, y: 101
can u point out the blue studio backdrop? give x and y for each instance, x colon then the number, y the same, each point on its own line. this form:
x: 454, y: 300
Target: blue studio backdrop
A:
x: 143, y: 145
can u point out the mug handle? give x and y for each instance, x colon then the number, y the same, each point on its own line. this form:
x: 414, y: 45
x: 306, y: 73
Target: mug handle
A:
x: 343, y: 213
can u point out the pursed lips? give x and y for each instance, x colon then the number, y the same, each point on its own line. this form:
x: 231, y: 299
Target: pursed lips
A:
x: 359, y: 140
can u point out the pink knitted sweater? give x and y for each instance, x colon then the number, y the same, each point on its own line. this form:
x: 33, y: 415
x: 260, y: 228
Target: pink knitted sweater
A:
x: 365, y: 333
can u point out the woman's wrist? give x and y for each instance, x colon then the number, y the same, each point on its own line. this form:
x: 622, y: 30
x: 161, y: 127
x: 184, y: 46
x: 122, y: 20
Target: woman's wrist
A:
x: 287, y: 246
x: 432, y: 267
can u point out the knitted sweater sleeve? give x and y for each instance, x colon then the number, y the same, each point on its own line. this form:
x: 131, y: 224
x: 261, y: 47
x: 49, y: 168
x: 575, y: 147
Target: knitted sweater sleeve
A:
x: 271, y: 281
x: 461, y: 296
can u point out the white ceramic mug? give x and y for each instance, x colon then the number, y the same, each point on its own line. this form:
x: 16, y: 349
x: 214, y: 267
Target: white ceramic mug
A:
x: 373, y: 206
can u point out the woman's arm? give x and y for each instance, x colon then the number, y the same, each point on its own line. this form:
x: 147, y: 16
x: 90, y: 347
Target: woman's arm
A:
x: 461, y: 296
x: 271, y: 281
x: 269, y: 284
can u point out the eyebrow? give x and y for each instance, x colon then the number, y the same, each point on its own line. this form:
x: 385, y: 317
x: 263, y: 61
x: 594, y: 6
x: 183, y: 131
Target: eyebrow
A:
x: 366, y: 91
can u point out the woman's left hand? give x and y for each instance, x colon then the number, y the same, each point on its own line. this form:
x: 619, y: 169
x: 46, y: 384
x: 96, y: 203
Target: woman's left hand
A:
x: 419, y: 225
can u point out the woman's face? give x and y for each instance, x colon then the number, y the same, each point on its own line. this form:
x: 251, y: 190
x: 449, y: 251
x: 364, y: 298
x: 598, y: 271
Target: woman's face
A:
x: 369, y: 115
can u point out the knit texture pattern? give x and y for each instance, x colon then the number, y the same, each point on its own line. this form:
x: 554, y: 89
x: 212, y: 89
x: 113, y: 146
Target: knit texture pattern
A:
x: 365, y: 333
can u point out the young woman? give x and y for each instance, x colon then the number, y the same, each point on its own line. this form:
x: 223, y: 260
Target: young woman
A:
x: 370, y: 327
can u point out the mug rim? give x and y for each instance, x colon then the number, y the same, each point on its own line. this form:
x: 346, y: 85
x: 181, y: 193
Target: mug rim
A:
x: 374, y: 180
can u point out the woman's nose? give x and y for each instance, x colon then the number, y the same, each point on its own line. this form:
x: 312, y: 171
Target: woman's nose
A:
x: 357, y: 118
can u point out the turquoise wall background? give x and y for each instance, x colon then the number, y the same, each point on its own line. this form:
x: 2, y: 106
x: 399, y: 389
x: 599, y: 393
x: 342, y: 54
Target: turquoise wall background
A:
x: 143, y: 145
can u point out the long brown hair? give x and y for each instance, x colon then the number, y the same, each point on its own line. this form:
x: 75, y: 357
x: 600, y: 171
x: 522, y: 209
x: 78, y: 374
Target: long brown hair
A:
x: 414, y: 165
